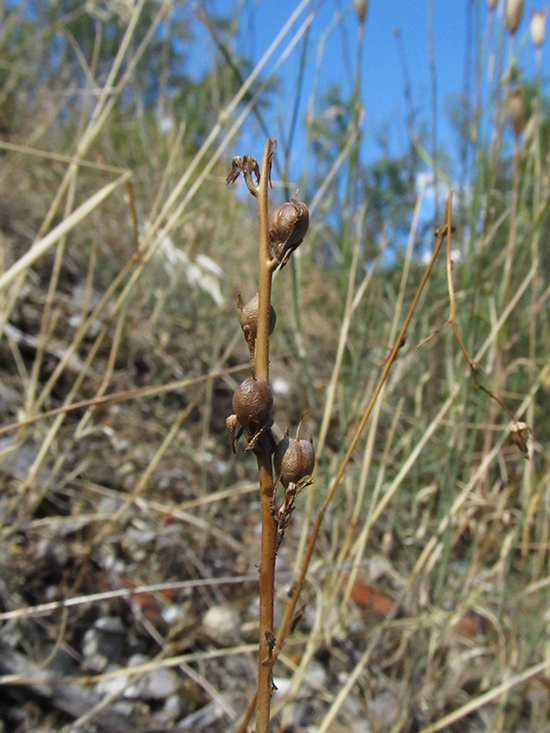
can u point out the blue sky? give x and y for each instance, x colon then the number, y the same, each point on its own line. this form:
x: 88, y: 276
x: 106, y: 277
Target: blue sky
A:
x: 382, y: 75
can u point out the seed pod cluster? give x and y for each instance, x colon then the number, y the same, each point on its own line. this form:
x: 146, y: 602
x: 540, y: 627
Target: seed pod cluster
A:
x: 248, y: 317
x: 293, y: 460
x: 253, y: 404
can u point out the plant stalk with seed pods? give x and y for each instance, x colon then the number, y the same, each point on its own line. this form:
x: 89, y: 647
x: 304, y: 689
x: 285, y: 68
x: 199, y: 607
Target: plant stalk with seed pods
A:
x: 253, y: 401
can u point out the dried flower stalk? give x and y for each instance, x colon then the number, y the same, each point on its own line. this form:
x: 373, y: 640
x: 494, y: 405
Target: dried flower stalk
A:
x: 253, y: 400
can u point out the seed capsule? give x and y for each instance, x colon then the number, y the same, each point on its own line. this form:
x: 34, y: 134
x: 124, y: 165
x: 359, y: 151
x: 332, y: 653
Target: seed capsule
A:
x: 248, y: 317
x: 289, y: 223
x: 361, y: 7
x: 512, y: 15
x: 517, y: 111
x: 538, y: 27
x: 293, y: 460
x: 253, y: 404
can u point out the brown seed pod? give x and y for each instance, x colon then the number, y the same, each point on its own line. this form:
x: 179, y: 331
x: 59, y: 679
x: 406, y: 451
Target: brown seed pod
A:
x: 289, y: 223
x: 538, y: 26
x: 293, y: 460
x: 361, y: 7
x: 512, y: 15
x: 248, y: 317
x: 253, y: 404
x: 517, y: 111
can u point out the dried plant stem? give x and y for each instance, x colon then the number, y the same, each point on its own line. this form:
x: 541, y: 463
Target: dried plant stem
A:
x: 512, y: 237
x: 452, y: 320
x: 263, y: 455
x: 289, y: 614
x: 265, y: 274
x: 267, y: 586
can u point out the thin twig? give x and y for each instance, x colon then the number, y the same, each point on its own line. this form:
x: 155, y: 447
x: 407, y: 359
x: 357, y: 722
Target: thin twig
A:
x: 263, y: 455
x: 474, y: 366
x: 130, y: 394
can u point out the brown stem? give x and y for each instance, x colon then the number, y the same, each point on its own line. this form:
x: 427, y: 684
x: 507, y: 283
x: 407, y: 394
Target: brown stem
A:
x: 263, y: 455
x: 289, y: 614
x: 267, y: 587
x: 452, y: 320
x: 265, y: 275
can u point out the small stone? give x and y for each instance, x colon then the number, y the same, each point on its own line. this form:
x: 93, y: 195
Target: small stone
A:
x: 104, y: 643
x: 62, y: 663
x: 110, y: 625
x: 124, y: 707
x: 112, y: 686
x: 112, y: 637
x: 221, y: 624
x: 384, y: 709
x: 158, y: 684
x: 17, y: 459
x: 54, y: 552
x: 316, y: 675
x: 139, y: 536
x: 172, y: 614
x: 136, y: 660
x: 361, y: 726
x: 90, y: 643
x: 109, y: 505
x: 173, y: 708
x: 96, y: 663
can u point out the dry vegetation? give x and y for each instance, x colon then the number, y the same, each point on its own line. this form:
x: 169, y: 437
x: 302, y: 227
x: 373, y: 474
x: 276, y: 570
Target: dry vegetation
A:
x: 129, y: 536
